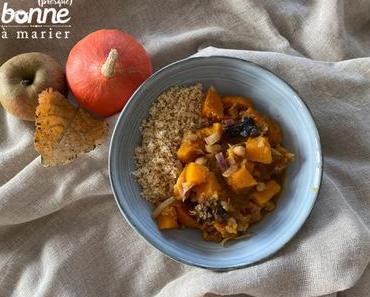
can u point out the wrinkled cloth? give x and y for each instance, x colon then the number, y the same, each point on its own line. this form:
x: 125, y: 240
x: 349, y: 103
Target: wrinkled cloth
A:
x: 61, y: 233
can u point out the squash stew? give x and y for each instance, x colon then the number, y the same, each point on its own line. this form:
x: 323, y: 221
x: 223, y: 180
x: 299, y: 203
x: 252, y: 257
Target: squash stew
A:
x: 232, y: 174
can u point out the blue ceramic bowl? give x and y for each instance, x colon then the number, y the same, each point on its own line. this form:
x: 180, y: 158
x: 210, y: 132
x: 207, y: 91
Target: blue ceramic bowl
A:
x: 272, y: 96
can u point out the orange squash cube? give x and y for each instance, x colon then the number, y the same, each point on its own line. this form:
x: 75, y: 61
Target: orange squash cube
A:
x: 216, y: 128
x: 183, y: 217
x: 189, y: 151
x: 196, y: 174
x: 258, y: 149
x: 191, y: 147
x: 192, y: 175
x: 241, y: 180
x: 167, y: 219
x: 211, y: 188
x: 261, y: 198
x: 212, y: 107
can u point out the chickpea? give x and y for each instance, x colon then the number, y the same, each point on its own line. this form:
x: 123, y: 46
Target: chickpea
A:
x: 201, y: 160
x: 239, y: 151
x: 260, y: 187
x: 213, y: 148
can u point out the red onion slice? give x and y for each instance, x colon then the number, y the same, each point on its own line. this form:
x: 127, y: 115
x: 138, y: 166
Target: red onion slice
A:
x: 221, y: 161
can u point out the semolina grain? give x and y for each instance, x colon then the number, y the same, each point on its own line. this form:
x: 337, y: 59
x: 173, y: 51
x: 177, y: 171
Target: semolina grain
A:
x: 157, y: 167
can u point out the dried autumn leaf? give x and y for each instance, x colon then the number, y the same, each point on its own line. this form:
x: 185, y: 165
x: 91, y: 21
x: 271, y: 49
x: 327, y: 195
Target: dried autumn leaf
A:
x: 64, y: 132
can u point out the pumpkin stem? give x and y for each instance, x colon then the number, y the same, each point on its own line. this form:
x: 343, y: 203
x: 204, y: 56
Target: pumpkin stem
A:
x: 108, y: 67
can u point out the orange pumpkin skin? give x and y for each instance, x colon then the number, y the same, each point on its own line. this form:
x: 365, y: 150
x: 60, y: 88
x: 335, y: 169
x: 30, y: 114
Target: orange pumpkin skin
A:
x: 105, y: 90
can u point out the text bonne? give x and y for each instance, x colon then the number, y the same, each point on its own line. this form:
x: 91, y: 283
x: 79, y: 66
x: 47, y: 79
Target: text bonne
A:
x: 36, y: 15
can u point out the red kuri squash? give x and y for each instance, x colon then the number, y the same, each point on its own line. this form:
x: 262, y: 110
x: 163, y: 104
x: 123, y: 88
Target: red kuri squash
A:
x: 105, y: 68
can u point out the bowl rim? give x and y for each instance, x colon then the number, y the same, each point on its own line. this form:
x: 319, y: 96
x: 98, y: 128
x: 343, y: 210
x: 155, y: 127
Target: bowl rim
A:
x: 293, y: 233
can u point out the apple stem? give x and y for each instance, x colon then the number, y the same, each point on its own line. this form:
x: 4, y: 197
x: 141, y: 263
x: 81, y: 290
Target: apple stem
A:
x: 108, y: 67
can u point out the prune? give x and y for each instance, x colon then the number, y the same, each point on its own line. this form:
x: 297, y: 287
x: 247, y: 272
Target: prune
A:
x: 245, y: 128
x: 249, y: 128
x: 233, y: 130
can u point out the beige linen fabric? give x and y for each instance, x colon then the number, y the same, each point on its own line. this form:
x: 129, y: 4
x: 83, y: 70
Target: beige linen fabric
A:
x: 61, y: 233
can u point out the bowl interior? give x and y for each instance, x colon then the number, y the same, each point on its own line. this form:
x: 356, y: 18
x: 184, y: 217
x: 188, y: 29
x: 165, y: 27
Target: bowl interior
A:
x: 272, y: 96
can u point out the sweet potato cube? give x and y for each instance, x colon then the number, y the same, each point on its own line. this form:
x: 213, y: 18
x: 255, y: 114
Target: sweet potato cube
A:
x: 211, y: 188
x: 189, y: 151
x: 241, y: 179
x: 167, y: 219
x: 196, y: 174
x: 183, y: 217
x: 212, y: 107
x: 237, y: 101
x: 258, y: 149
x: 261, y: 198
